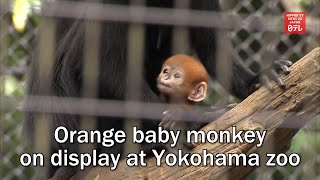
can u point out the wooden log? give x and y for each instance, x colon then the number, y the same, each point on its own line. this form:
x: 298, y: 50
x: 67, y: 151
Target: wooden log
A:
x: 282, y: 113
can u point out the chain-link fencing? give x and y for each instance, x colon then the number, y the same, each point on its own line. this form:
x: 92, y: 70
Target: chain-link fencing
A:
x: 255, y: 46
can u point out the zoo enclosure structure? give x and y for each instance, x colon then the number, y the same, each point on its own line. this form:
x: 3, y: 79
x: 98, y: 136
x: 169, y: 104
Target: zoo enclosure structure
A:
x: 252, y: 42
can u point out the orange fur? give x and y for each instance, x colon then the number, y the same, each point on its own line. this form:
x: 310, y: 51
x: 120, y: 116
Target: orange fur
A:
x: 194, y: 73
x: 194, y: 70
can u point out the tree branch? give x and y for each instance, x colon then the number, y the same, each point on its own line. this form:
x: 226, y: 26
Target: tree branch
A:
x: 282, y: 113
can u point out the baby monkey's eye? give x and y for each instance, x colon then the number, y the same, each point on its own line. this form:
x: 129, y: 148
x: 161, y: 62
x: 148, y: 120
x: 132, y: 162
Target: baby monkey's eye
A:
x: 177, y: 75
x: 165, y: 71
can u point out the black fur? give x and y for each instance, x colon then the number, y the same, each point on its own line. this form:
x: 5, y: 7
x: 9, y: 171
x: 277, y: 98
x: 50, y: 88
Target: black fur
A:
x: 67, y: 76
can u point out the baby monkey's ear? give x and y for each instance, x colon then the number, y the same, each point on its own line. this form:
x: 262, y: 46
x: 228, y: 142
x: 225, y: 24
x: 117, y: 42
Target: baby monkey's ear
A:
x: 199, y: 92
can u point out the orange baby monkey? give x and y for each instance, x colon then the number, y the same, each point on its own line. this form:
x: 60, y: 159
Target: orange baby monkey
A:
x: 182, y: 80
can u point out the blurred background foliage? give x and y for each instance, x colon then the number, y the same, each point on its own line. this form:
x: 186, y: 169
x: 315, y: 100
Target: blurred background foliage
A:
x: 19, y: 22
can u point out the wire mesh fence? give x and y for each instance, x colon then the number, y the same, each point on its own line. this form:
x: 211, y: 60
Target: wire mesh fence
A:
x: 256, y: 44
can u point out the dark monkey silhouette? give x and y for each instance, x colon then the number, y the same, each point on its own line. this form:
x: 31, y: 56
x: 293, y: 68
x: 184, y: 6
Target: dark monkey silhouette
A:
x: 68, y: 64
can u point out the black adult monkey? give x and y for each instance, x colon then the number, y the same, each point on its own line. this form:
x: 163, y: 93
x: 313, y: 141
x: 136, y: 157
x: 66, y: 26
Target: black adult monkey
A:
x: 68, y: 65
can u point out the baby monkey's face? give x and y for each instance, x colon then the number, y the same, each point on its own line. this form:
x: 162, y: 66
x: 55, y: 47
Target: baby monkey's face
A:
x: 182, y: 79
x: 170, y: 80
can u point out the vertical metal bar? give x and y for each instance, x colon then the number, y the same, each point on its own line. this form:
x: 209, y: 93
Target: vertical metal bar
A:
x: 134, y: 77
x: 223, y: 59
x: 90, y: 80
x: 180, y: 38
x: 46, y: 56
x: 90, y: 76
x: 180, y: 44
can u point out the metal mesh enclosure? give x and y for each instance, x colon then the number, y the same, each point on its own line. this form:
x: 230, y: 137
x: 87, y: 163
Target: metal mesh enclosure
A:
x: 15, y: 53
x: 257, y: 48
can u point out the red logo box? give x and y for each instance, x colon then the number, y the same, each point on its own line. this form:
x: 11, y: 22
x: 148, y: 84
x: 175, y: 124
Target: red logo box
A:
x: 294, y: 22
